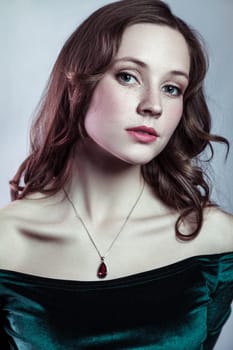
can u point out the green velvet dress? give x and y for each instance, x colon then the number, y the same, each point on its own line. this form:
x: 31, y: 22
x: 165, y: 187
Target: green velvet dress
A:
x: 182, y: 306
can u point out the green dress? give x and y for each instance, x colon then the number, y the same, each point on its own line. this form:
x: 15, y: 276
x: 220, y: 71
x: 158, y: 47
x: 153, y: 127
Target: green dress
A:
x: 182, y: 306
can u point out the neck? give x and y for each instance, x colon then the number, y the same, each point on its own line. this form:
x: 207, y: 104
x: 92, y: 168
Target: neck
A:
x: 102, y: 183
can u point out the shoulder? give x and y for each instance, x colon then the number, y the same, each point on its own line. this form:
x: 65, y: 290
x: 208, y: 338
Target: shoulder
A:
x: 34, y: 206
x: 9, y: 237
x: 217, y: 219
x: 23, y: 219
x: 217, y: 230
x: 15, y: 215
x: 34, y: 209
x: 8, y: 217
x: 18, y: 211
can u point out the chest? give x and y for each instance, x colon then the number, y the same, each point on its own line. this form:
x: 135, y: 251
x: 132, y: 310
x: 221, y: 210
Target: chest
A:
x: 66, y: 250
x: 163, y: 311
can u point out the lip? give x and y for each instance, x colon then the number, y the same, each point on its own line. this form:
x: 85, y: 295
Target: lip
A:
x: 143, y: 133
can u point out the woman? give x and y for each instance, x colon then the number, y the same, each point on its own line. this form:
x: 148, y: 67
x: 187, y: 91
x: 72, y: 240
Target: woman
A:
x: 116, y: 242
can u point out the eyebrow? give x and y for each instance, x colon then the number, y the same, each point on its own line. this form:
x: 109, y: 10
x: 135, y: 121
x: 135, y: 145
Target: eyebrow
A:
x: 144, y: 65
x: 131, y: 59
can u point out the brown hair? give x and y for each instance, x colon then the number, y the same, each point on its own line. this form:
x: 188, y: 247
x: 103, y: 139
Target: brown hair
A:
x: 174, y: 174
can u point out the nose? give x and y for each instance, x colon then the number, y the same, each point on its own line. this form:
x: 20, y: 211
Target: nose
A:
x: 150, y: 105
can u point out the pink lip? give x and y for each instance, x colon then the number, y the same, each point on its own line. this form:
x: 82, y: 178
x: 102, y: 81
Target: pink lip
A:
x: 143, y: 134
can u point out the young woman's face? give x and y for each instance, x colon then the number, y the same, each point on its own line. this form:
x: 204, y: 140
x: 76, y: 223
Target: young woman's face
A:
x: 138, y: 103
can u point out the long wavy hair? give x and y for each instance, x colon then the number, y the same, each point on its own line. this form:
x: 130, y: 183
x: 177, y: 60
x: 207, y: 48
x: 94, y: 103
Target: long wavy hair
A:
x: 175, y: 174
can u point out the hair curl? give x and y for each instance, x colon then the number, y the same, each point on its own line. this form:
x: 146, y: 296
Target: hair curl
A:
x: 174, y: 174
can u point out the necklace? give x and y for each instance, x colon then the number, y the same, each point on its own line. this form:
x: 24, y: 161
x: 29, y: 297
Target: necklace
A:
x: 102, y: 270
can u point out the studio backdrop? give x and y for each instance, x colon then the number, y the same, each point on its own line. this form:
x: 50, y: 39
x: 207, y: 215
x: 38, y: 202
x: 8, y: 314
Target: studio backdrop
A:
x: 32, y: 33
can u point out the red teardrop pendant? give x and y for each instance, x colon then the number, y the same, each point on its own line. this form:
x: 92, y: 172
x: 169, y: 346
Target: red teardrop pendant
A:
x: 102, y: 270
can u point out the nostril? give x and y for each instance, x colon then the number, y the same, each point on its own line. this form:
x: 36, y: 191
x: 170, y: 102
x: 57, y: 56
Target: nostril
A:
x: 155, y: 111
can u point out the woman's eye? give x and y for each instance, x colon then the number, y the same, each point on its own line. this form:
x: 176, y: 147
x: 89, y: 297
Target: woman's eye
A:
x: 126, y: 78
x: 172, y: 90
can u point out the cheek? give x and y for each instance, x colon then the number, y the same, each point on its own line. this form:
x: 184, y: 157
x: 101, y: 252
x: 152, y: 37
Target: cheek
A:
x: 102, y: 105
x: 175, y: 113
x: 95, y: 113
x: 99, y: 120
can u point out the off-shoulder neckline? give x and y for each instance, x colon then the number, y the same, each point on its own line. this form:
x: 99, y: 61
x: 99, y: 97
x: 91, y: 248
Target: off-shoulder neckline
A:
x: 137, y: 278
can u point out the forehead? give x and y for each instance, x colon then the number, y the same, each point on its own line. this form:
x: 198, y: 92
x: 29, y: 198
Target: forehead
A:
x: 155, y: 45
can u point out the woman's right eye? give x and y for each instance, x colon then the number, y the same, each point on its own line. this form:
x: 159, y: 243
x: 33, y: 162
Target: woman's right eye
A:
x: 126, y: 78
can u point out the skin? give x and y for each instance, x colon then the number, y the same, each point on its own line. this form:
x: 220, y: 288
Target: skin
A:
x: 147, y: 92
x: 44, y: 234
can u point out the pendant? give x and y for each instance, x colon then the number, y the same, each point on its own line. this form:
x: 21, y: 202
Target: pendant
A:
x: 102, y: 270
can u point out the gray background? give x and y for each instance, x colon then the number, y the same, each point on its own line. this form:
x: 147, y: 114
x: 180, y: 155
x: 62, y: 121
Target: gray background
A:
x: 31, y: 35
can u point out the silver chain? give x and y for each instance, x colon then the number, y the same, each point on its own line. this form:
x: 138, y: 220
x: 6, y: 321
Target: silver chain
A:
x: 77, y: 215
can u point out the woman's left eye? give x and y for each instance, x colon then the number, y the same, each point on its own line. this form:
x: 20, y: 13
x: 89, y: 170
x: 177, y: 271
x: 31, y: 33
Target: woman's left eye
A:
x: 126, y: 78
x: 172, y: 90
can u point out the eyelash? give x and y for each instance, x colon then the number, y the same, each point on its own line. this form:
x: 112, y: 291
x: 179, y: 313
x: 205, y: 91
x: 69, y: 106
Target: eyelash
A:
x: 167, y: 88
x: 120, y: 76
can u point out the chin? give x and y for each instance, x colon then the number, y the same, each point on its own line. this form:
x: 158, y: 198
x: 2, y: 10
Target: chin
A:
x: 138, y: 161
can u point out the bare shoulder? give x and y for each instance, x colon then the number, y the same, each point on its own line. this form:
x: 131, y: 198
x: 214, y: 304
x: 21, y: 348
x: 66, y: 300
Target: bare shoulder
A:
x: 216, y: 218
x: 15, y: 215
x: 218, y: 230
x: 9, y: 218
x: 18, y: 210
x: 20, y: 221
x: 34, y: 209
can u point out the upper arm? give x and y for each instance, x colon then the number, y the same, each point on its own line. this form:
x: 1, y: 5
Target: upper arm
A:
x: 9, y: 237
x: 3, y: 338
x: 220, y: 280
x: 219, y: 310
x: 217, y: 231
